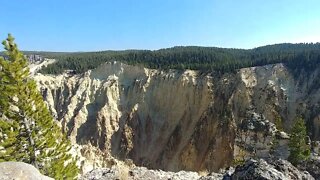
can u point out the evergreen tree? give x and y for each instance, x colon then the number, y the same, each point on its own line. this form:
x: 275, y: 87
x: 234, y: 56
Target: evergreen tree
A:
x: 299, y: 148
x: 28, y: 130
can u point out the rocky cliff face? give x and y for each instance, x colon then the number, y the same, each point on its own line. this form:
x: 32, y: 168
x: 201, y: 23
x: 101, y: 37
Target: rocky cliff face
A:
x: 181, y: 120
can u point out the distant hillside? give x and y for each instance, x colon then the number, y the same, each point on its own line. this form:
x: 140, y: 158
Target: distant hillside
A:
x: 206, y: 59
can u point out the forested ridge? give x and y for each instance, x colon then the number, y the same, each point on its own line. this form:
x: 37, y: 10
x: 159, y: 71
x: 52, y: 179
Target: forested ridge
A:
x: 206, y: 59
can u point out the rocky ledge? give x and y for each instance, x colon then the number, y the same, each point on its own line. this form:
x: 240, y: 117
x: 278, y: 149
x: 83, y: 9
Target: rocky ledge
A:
x: 20, y: 171
x: 260, y: 169
x: 278, y: 169
x: 144, y: 173
x: 251, y: 169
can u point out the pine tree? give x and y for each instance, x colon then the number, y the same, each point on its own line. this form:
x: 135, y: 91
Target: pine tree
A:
x: 299, y: 149
x: 29, y: 131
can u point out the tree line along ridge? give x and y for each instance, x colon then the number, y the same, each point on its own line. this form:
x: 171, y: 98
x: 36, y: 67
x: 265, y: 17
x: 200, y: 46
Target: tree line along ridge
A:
x: 205, y: 59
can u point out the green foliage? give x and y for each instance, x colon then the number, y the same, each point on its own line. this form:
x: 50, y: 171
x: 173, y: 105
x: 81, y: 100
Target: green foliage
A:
x: 206, y: 59
x: 29, y: 132
x: 240, y: 159
x: 8, y: 143
x: 238, y: 162
x: 278, y: 122
x: 299, y: 149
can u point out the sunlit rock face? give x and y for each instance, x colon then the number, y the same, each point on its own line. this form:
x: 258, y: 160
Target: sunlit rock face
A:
x: 181, y: 120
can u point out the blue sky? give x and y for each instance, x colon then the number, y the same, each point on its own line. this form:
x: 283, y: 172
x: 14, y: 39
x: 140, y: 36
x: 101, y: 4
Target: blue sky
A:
x: 89, y: 25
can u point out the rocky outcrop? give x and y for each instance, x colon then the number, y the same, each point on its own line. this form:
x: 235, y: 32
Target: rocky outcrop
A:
x: 251, y: 169
x: 139, y: 173
x: 260, y: 169
x: 258, y: 137
x: 312, y: 166
x: 20, y: 171
x: 181, y: 120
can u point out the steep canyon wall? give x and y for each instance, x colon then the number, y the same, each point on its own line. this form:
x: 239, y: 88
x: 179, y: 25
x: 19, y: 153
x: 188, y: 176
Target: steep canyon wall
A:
x: 177, y: 120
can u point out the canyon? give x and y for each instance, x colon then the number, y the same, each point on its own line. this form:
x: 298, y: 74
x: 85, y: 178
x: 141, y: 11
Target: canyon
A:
x: 181, y: 120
